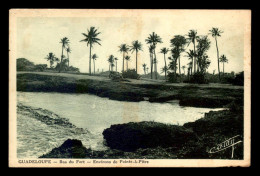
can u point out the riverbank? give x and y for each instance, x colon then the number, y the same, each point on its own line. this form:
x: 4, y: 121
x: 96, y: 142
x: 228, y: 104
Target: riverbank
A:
x: 200, y: 137
x: 212, y: 96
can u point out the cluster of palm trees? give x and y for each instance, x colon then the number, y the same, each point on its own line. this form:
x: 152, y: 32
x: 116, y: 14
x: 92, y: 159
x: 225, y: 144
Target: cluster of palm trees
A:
x: 52, y: 59
x: 198, y: 56
x: 64, y: 45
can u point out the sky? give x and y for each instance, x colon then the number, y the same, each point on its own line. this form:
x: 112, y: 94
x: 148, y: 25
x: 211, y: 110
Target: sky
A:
x: 37, y: 36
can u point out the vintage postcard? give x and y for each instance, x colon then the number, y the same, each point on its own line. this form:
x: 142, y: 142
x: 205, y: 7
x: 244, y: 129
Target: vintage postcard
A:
x: 129, y: 88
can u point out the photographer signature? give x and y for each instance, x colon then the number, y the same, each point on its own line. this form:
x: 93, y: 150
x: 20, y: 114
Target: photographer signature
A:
x: 231, y: 142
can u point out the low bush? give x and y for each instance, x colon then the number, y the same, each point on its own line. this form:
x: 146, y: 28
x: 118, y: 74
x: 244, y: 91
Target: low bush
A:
x: 130, y: 73
x: 199, y: 78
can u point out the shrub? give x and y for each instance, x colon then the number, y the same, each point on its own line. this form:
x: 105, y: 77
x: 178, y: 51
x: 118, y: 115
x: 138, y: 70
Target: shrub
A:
x: 172, y: 77
x: 199, y: 78
x: 23, y: 64
x: 130, y: 73
x: 40, y: 67
x: 239, y: 79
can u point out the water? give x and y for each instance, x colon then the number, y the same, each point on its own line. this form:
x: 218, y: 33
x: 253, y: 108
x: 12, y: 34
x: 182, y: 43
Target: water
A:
x: 91, y: 113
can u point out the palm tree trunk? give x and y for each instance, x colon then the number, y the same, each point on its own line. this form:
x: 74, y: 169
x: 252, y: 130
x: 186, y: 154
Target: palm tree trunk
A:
x: 123, y: 61
x: 68, y: 59
x: 191, y: 65
x: 218, y: 57
x: 155, y: 64
x: 175, y: 66
x: 165, y: 67
x: 223, y: 69
x: 194, y: 50
x: 180, y: 65
x: 90, y: 59
x: 94, y: 66
x: 136, y: 60
x: 116, y: 66
x: 61, y: 58
x: 151, y: 58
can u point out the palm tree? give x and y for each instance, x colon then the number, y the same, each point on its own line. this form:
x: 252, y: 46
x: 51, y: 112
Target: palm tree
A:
x: 116, y: 59
x: 183, y: 68
x: 192, y: 37
x: 189, y: 69
x: 136, y: 46
x: 94, y: 57
x: 91, y: 39
x: 153, y: 39
x: 164, y: 51
x: 191, y: 56
x: 64, y: 42
x: 111, y: 62
x: 178, y: 43
x: 52, y: 58
x: 202, y: 58
x: 147, y: 69
x: 215, y: 32
x: 127, y: 58
x: 144, y: 67
x: 223, y: 59
x: 164, y: 69
x: 68, y: 51
x: 123, y: 48
x: 151, y: 48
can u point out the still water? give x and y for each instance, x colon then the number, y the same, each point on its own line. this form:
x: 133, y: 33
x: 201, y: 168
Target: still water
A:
x: 92, y: 113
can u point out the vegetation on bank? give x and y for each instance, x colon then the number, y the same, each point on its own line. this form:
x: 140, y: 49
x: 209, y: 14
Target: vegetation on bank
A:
x: 23, y: 64
x: 190, y: 95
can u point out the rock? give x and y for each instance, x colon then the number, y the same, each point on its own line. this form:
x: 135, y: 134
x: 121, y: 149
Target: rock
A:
x: 132, y: 136
x: 71, y: 148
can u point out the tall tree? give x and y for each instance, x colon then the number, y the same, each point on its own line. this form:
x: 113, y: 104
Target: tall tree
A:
x: 154, y: 39
x: 127, y: 58
x: 144, y: 67
x: 164, y: 51
x: 111, y: 62
x: 190, y: 55
x: 91, y: 38
x: 223, y: 59
x: 189, y: 69
x: 215, y: 32
x: 123, y: 48
x: 68, y: 51
x: 151, y: 48
x: 136, y: 46
x: 173, y: 60
x: 164, y: 69
x: 116, y: 59
x: 192, y: 37
x: 202, y: 47
x: 52, y: 58
x: 94, y: 57
x: 178, y: 42
x: 64, y: 42
x: 183, y: 68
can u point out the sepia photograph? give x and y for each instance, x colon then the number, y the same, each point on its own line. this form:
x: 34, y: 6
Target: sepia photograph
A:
x: 129, y: 88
